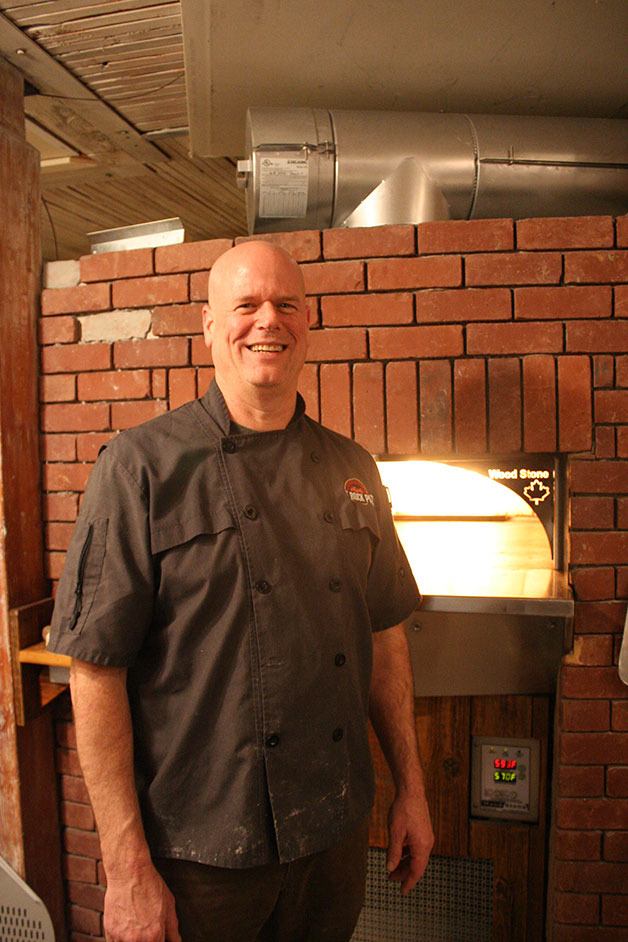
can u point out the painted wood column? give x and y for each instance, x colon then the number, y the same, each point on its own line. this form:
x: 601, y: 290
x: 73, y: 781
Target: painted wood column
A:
x: 29, y: 827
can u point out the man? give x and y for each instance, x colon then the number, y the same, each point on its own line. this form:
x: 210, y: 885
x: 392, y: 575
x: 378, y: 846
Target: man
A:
x: 233, y: 572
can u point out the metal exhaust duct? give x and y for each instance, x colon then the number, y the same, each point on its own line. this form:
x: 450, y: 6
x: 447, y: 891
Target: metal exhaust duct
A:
x: 309, y: 168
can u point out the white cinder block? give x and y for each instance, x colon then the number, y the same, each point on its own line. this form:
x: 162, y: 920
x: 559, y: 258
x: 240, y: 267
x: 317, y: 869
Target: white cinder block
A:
x: 115, y: 325
x: 64, y: 274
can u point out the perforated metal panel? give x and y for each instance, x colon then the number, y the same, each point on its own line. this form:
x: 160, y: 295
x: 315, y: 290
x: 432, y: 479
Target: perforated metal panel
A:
x: 452, y: 903
x: 23, y: 916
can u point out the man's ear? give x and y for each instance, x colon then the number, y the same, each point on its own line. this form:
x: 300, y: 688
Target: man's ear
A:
x: 208, y: 323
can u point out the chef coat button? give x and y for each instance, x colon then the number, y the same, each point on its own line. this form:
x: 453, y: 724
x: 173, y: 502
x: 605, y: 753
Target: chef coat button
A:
x: 328, y: 516
x: 272, y: 741
x: 335, y: 585
x: 314, y: 455
x: 339, y: 660
x: 228, y: 445
x: 262, y: 586
x: 250, y: 512
x: 337, y: 734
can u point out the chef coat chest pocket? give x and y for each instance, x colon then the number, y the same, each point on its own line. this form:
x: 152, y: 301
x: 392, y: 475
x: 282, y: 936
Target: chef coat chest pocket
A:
x: 88, y: 554
x: 360, y: 535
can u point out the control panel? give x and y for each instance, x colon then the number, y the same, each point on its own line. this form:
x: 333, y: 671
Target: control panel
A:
x: 505, y: 778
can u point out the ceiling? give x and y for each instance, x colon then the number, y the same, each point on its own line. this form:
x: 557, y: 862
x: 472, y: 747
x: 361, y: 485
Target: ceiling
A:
x: 106, y: 105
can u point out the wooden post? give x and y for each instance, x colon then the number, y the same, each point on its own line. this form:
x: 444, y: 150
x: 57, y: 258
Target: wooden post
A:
x: 29, y: 826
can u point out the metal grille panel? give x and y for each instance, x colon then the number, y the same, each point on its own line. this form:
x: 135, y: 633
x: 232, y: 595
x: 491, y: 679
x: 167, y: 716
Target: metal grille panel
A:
x: 23, y: 916
x: 452, y: 903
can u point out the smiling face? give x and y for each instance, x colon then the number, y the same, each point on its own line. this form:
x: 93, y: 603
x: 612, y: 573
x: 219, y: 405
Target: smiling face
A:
x: 256, y: 322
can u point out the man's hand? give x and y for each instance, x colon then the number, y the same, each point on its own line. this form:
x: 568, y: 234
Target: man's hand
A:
x: 140, y: 909
x: 410, y: 840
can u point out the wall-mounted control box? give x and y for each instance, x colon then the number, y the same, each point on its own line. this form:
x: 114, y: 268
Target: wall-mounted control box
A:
x: 505, y: 778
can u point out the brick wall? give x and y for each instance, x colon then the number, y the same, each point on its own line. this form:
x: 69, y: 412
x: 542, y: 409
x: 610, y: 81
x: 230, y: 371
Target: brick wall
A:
x: 452, y: 338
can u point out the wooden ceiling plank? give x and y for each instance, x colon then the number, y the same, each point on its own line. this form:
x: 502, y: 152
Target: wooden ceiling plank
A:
x: 106, y: 36
x: 67, y: 26
x: 51, y: 77
x: 25, y: 12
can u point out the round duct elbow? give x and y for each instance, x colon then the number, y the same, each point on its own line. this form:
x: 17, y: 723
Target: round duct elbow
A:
x: 315, y: 169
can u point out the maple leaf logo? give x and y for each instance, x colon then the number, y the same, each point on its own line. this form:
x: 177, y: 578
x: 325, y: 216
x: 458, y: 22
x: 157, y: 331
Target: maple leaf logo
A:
x: 536, y: 492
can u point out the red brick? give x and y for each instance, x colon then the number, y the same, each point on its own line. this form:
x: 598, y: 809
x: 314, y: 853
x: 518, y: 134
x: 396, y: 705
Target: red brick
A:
x: 68, y: 762
x: 88, y: 446
x: 358, y: 309
x: 592, y: 813
x: 86, y: 894
x: 368, y: 406
x: 190, y: 256
x: 585, y: 715
x: 200, y: 354
x: 58, y: 536
x: 577, y: 845
x: 102, y: 876
x: 580, y: 908
x: 599, y: 617
x: 439, y: 271
x: 128, y: 414
x: 85, y: 920
x: 615, y: 910
x: 604, y: 436
x: 308, y: 387
x: 590, y: 682
x: 117, y: 384
x: 603, y: 547
x: 177, y: 319
x: 435, y: 407
x: 622, y: 582
x: 181, y: 387
x: 368, y: 242
x: 73, y: 788
x: 60, y: 506
x: 621, y: 300
x: 171, y: 351
x: 591, y: 650
x: 58, y: 447
x: 340, y: 343
x: 616, y: 846
x: 75, y: 417
x: 595, y: 583
x: 397, y: 343
x: 469, y: 304
x: 53, y: 565
x: 304, y: 245
x: 65, y: 734
x: 611, y: 405
x: 336, y: 397
x: 145, y: 292
x: 592, y: 513
x: 621, y: 371
x: 539, y: 404
x: 81, y: 869
x: 563, y: 302
x: 476, y: 235
x: 81, y: 842
x: 58, y: 330
x: 402, y: 408
x: 517, y: 269
x: 108, y: 266
x: 599, y: 477
x: 622, y: 442
x: 57, y: 387
x: 328, y: 277
x: 579, y: 781
x: 75, y: 815
x: 75, y: 357
x: 593, y: 877
x: 514, y: 338
x: 504, y: 405
x: 205, y: 376
x: 565, y: 232
x: 78, y: 300
x: 597, y: 337
x: 158, y: 384
x: 588, y: 748
x: 617, y: 785
x: 596, y: 266
x: 603, y: 370
x: 198, y: 286
x: 470, y: 406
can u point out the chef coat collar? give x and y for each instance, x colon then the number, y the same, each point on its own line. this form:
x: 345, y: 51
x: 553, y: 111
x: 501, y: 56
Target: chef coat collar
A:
x: 214, y: 403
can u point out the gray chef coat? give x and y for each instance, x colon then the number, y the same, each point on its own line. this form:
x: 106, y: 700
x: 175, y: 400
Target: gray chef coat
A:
x: 238, y: 575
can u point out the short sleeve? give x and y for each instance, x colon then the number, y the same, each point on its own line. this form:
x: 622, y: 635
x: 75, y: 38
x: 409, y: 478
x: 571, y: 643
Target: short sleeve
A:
x: 104, y: 601
x: 392, y: 593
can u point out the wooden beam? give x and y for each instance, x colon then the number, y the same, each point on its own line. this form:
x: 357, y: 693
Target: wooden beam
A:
x: 52, y: 78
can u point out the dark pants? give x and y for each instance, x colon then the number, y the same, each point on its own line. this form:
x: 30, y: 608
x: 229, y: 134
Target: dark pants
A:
x: 313, y: 899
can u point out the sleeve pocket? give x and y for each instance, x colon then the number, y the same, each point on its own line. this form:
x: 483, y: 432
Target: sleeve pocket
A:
x: 87, y: 571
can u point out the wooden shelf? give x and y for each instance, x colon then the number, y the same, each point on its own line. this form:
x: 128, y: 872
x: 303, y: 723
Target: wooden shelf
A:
x: 39, y: 654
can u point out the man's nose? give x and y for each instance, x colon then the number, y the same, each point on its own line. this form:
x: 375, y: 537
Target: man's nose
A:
x: 268, y: 315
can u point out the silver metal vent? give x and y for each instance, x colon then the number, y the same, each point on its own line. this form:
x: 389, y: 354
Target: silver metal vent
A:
x: 23, y: 916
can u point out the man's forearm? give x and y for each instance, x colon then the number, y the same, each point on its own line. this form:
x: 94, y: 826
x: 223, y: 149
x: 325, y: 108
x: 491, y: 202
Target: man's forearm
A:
x: 105, y: 747
x: 392, y: 708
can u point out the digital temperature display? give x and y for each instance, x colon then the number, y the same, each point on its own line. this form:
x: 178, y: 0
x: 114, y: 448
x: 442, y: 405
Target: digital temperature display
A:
x: 504, y: 763
x: 501, y: 775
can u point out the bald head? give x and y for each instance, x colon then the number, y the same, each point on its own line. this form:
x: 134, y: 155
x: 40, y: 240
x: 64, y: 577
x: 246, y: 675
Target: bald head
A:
x: 235, y: 263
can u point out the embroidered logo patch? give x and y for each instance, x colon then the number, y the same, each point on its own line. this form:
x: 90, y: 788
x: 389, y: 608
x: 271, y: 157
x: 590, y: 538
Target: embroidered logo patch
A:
x: 358, y: 491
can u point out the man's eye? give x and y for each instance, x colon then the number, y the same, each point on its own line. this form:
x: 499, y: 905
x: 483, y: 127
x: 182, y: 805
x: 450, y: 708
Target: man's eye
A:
x: 286, y: 306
